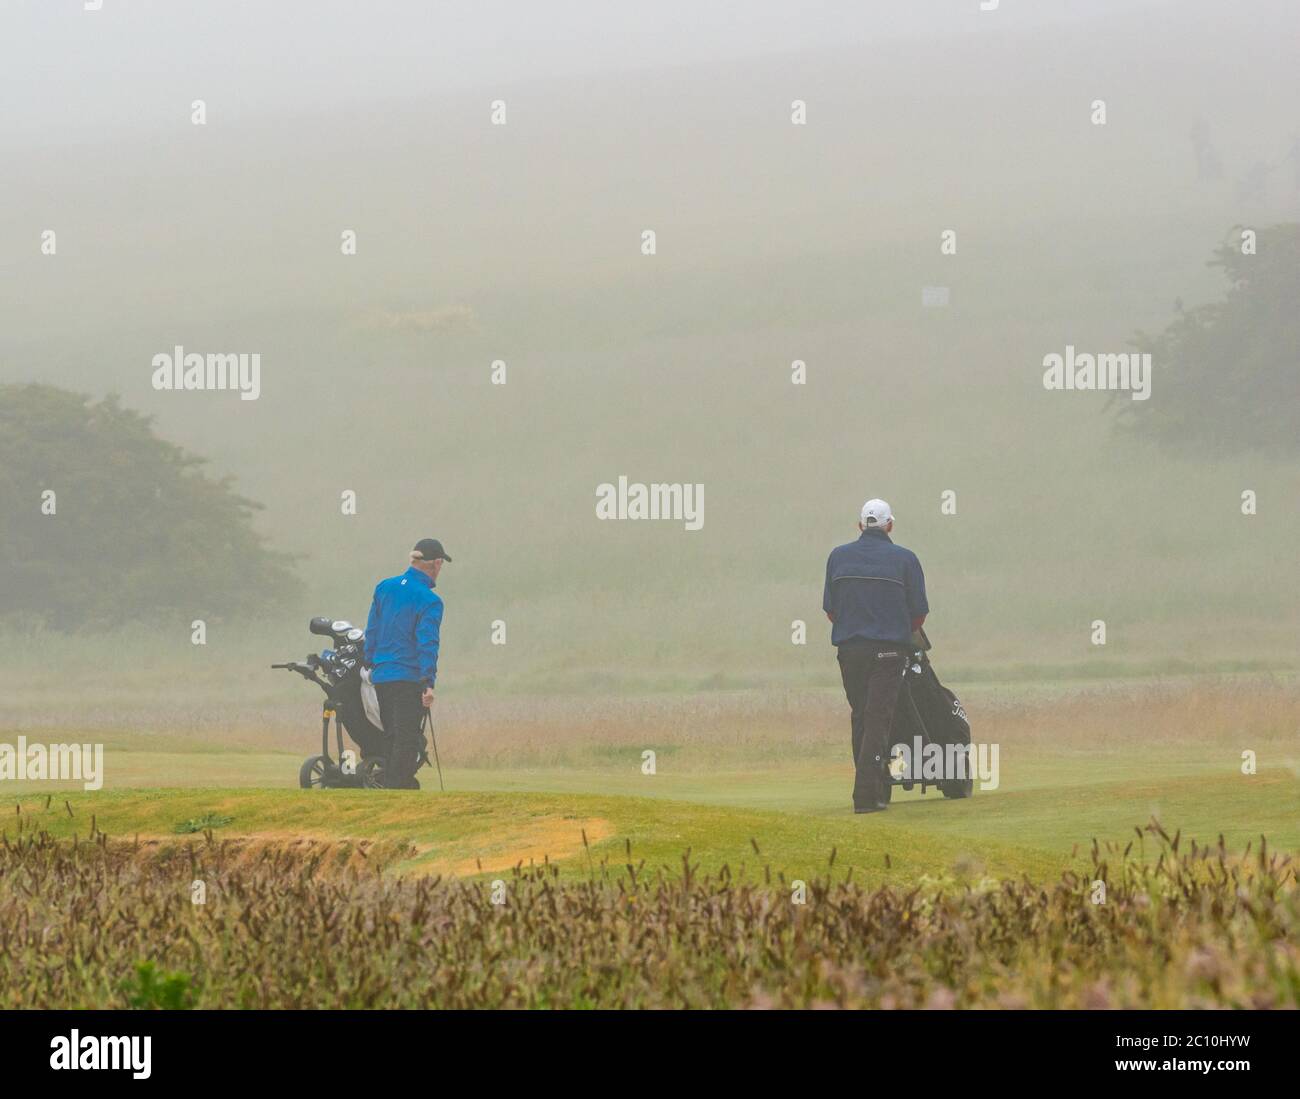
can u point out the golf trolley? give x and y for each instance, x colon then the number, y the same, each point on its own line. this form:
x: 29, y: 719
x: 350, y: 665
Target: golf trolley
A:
x: 929, y: 718
x: 351, y: 703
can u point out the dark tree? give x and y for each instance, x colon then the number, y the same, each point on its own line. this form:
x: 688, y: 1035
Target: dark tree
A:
x: 139, y: 531
x: 1226, y: 376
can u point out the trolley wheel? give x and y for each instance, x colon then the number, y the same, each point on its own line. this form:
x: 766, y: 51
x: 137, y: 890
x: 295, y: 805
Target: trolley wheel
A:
x: 317, y: 773
x: 957, y: 788
x: 372, y: 774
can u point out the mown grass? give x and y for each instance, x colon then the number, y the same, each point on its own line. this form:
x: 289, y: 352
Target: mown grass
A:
x: 456, y: 830
x: 1072, y: 762
x: 113, y: 924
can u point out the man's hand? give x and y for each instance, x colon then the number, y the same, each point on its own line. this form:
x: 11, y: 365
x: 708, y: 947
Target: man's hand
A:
x: 426, y: 699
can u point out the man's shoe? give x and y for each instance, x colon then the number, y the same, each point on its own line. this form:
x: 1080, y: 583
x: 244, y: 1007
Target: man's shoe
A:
x: 877, y: 808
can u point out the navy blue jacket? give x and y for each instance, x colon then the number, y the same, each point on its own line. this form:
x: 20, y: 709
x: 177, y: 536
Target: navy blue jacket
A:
x: 402, y: 631
x: 874, y: 590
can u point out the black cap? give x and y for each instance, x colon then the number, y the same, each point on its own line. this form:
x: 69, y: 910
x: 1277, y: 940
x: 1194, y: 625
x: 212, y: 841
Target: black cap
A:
x: 429, y: 549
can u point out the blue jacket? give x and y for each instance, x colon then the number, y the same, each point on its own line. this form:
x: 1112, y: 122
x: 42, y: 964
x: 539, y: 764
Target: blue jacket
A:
x: 402, y: 631
x: 874, y: 590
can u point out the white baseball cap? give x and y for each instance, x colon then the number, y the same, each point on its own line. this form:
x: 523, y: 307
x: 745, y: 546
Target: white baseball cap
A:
x: 876, y: 514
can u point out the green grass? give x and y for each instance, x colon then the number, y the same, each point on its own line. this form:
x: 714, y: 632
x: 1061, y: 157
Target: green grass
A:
x: 797, y: 813
x: 462, y: 827
x: 525, y: 780
x: 750, y: 794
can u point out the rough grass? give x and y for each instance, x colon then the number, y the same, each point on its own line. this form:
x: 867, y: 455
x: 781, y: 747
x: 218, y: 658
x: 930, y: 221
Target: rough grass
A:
x: 114, y: 924
x: 1183, y: 714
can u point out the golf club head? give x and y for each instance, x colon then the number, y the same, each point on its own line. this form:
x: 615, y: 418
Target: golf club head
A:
x: 320, y: 626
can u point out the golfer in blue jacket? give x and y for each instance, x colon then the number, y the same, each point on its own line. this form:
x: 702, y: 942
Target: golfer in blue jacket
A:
x: 402, y: 636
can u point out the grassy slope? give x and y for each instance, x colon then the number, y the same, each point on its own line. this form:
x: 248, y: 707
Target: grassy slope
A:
x: 525, y: 780
x: 797, y: 813
x: 455, y: 829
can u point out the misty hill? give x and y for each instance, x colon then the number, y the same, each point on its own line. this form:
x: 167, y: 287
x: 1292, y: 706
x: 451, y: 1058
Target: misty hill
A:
x: 775, y: 243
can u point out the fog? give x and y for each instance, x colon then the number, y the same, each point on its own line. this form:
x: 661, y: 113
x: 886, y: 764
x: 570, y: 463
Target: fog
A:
x: 774, y: 242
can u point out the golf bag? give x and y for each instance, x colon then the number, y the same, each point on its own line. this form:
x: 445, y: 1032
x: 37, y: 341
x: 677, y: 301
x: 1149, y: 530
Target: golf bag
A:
x: 931, y: 724
x: 360, y: 714
x: 350, y: 702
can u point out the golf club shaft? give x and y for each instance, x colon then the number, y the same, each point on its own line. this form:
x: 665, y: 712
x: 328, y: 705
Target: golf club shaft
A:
x: 428, y: 717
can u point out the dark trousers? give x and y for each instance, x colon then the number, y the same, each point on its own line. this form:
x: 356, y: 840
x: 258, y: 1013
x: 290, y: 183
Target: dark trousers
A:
x: 402, y: 712
x: 872, y: 674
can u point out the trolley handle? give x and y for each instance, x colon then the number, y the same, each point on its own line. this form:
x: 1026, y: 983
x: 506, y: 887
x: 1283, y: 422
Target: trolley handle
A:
x: 308, y: 672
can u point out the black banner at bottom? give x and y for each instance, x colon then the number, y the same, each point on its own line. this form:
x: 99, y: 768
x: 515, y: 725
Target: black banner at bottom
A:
x: 258, y: 1048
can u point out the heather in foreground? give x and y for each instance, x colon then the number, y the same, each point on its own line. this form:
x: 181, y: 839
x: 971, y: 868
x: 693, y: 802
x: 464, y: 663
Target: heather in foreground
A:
x: 114, y: 924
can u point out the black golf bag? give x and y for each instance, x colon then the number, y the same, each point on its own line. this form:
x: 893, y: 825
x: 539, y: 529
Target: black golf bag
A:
x: 350, y: 700
x: 930, y: 723
x: 371, y: 739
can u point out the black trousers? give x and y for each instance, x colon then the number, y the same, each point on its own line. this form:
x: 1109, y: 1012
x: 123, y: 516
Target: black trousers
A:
x: 401, y: 711
x: 872, y: 674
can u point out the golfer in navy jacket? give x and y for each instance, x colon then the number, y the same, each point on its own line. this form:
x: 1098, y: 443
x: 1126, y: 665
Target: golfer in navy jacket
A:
x: 402, y: 637
x: 875, y: 599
